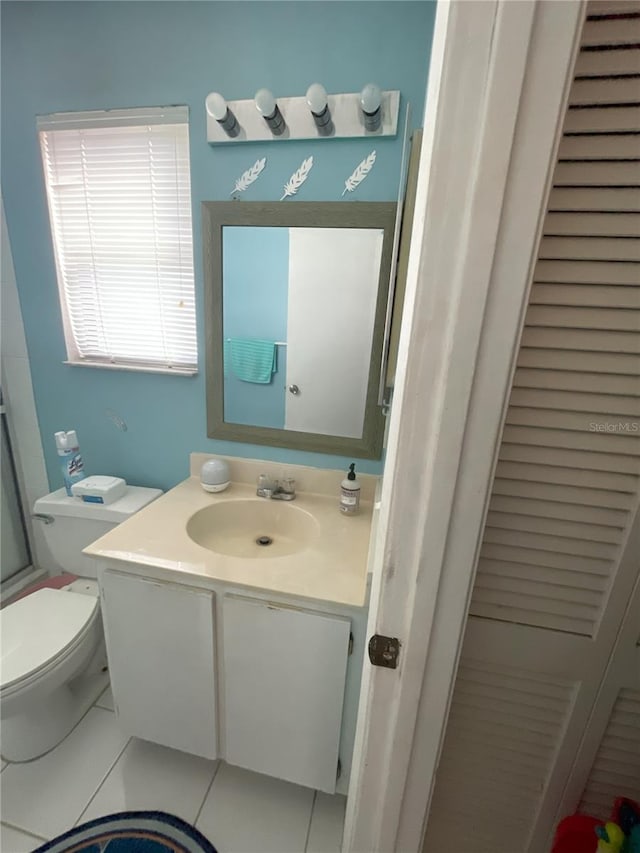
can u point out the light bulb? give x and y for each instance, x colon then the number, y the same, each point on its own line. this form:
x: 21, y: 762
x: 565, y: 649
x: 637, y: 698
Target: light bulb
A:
x: 216, y: 106
x: 317, y: 98
x: 318, y: 104
x: 218, y: 109
x: 268, y: 109
x: 371, y: 98
x: 265, y: 102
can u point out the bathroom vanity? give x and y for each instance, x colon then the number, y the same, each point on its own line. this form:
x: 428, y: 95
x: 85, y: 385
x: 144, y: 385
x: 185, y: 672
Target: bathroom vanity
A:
x: 222, y: 648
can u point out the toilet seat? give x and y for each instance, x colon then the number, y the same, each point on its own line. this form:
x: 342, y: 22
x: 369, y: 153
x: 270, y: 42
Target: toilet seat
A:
x: 40, y: 630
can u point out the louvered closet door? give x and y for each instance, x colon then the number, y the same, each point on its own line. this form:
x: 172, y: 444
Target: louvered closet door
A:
x: 616, y: 768
x: 560, y: 558
x: 608, y: 762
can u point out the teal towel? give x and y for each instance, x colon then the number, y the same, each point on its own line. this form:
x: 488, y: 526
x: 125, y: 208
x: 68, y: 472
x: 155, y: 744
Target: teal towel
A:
x: 253, y: 360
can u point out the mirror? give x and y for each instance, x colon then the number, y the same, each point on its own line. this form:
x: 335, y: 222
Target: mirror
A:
x: 295, y: 304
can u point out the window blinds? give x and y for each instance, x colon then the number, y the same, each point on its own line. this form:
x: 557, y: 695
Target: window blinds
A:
x: 118, y: 187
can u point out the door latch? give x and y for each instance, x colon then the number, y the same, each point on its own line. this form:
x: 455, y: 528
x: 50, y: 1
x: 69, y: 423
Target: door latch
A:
x: 384, y: 651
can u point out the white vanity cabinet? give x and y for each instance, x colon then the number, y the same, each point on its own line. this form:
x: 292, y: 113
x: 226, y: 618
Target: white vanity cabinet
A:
x: 266, y: 685
x: 161, y: 650
x: 284, y: 673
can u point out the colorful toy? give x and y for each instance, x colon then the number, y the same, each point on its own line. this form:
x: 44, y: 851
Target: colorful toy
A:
x: 575, y: 834
x: 633, y: 842
x: 582, y: 833
x: 611, y: 838
x: 626, y: 814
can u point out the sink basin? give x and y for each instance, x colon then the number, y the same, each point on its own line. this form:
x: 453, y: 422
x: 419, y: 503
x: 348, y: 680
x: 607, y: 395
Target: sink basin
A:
x: 258, y: 529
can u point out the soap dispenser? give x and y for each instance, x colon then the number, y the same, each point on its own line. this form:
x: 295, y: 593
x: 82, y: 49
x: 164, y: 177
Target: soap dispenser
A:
x: 350, y: 492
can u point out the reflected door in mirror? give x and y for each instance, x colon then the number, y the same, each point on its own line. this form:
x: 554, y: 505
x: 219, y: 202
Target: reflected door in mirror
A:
x: 333, y: 283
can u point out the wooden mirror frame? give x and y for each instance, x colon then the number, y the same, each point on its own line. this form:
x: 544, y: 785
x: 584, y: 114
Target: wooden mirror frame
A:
x: 218, y: 214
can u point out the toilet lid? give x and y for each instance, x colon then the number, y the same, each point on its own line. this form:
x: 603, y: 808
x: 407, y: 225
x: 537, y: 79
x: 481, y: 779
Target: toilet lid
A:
x: 38, y: 628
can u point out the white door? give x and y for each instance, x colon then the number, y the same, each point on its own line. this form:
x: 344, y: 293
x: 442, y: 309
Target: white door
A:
x: 560, y: 554
x: 330, y: 327
x: 284, y: 680
x: 160, y: 645
x: 497, y: 93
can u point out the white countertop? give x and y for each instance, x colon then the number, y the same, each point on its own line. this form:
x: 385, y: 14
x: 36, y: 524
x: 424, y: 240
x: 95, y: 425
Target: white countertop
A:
x: 333, y: 568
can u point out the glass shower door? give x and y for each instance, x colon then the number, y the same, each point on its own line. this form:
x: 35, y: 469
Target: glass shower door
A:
x: 14, y: 546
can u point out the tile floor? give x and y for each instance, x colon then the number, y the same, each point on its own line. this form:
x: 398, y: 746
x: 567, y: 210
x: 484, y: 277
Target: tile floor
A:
x: 96, y: 770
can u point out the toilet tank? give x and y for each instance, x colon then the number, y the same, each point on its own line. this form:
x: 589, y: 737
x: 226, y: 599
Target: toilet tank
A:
x: 70, y: 524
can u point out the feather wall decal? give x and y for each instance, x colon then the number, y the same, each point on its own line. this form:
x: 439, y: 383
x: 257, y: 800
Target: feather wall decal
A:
x: 298, y: 178
x: 360, y: 173
x: 248, y: 177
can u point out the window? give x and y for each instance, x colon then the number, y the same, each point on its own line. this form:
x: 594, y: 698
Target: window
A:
x: 119, y: 198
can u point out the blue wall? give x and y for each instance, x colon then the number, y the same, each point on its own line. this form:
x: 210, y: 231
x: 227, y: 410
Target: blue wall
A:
x: 255, y: 291
x: 59, y: 56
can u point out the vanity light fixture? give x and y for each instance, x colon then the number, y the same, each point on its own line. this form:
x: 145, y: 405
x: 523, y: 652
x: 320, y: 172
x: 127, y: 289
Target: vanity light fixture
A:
x: 268, y: 108
x: 311, y: 115
x: 319, y: 106
x: 217, y: 108
x: 370, y: 101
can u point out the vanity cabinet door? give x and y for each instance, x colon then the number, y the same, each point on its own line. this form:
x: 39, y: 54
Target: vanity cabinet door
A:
x: 284, y: 680
x: 160, y: 646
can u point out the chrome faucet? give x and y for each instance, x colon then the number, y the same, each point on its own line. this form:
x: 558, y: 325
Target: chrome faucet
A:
x: 276, y: 490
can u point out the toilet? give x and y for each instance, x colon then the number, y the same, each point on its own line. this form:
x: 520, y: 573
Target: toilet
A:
x: 53, y: 664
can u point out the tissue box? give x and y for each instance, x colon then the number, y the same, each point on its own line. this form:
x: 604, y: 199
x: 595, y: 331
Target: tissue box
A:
x: 100, y: 489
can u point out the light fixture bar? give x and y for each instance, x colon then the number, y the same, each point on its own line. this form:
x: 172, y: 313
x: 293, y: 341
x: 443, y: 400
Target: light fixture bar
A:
x: 345, y: 112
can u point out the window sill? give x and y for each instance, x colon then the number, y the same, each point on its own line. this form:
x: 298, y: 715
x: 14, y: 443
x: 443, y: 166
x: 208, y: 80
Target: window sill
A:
x: 134, y: 368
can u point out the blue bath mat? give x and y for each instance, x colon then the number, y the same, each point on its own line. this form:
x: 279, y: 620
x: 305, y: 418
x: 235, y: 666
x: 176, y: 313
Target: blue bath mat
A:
x: 131, y: 832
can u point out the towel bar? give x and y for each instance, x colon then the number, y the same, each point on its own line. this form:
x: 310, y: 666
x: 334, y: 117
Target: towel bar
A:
x: 276, y: 343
